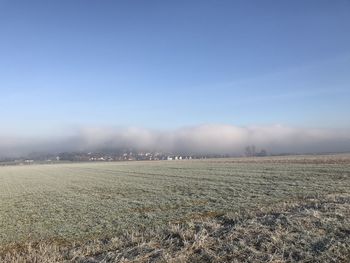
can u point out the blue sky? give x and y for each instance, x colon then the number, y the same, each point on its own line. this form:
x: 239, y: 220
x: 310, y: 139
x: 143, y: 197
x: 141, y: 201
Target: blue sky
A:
x: 169, y: 64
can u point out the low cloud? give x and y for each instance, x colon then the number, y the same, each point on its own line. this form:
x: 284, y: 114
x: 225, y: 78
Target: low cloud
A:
x: 202, y: 139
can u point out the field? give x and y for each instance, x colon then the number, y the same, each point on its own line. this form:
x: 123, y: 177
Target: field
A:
x: 178, y: 210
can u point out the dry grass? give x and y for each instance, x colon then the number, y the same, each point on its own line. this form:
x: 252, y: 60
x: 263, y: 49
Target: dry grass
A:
x: 274, y: 209
x: 310, y: 230
x: 86, y: 201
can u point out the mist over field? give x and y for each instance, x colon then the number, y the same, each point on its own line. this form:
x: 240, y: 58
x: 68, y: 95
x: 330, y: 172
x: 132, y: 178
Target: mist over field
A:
x: 202, y: 139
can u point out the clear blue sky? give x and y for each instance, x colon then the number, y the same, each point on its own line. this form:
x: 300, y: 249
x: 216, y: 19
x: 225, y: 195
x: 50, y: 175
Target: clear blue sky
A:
x: 167, y: 64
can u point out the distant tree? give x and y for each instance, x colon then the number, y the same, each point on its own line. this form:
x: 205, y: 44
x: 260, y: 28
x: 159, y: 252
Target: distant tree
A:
x: 66, y: 156
x: 250, y: 150
x: 253, y: 150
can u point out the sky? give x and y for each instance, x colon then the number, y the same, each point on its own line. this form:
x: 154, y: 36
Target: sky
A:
x: 66, y: 66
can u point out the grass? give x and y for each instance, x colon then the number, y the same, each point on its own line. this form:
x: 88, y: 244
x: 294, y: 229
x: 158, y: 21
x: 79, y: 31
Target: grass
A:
x: 280, y: 209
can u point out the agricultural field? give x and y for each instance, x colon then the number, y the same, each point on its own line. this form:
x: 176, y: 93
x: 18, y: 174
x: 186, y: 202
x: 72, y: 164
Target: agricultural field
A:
x: 93, y: 212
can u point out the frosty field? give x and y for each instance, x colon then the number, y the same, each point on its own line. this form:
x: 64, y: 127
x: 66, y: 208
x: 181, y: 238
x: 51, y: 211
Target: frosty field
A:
x: 84, y: 201
x: 72, y: 201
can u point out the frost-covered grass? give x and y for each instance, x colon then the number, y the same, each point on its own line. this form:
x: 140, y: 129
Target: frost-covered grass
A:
x: 77, y: 202
x: 307, y: 230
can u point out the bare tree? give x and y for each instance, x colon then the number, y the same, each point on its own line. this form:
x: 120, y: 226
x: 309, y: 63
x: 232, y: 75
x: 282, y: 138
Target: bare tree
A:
x: 250, y: 150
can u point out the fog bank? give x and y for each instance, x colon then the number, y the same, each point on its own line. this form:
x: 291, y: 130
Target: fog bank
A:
x: 201, y: 139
